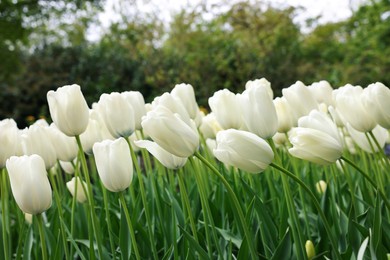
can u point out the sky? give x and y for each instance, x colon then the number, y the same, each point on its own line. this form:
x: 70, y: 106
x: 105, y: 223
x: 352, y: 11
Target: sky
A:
x: 327, y: 10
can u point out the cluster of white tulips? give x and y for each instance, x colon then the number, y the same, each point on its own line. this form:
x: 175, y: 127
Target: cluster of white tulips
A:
x: 247, y: 131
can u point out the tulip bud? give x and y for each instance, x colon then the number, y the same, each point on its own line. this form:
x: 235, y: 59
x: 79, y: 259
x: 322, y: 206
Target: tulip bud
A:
x: 36, y: 140
x: 351, y: 108
x: 310, y: 251
x: 68, y: 109
x: 227, y: 109
x: 8, y: 139
x: 29, y: 183
x: 314, y: 145
x: 244, y: 150
x: 170, y: 132
x: 321, y: 187
x: 376, y: 97
x: 81, y: 186
x: 117, y: 114
x: 92, y: 134
x: 258, y: 112
x: 136, y: 100
x: 165, y: 158
x: 114, y: 164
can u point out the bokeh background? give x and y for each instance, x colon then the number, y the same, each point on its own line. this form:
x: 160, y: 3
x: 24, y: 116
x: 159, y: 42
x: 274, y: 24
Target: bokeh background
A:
x: 149, y: 46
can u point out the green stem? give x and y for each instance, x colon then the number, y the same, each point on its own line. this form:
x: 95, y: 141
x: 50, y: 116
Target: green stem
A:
x: 89, y: 195
x: 237, y: 206
x: 187, y: 204
x: 108, y: 220
x: 316, y: 204
x: 387, y: 203
x: 42, y: 236
x: 144, y: 201
x: 4, y: 214
x: 131, y: 229
x: 295, y: 227
x: 74, y: 200
x: 60, y: 213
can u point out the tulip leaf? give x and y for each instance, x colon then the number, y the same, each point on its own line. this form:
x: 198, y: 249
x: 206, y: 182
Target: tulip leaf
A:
x: 283, y: 250
x: 194, y: 244
x: 28, y: 244
x: 229, y: 236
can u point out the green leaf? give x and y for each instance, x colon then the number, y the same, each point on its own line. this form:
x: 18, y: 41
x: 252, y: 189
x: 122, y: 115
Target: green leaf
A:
x: 124, y: 237
x: 283, y: 250
x: 362, y: 249
x: 194, y: 244
x: 28, y: 244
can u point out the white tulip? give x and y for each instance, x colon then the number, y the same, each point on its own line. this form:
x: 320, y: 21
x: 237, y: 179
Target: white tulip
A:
x: 314, y: 145
x: 286, y: 119
x: 81, y: 186
x: 376, y: 97
x: 114, y: 164
x: 9, y: 140
x: 137, y: 101
x: 361, y: 140
x: 165, y: 158
x: 258, y: 112
x: 244, y: 150
x: 68, y: 109
x: 29, y: 183
x: 263, y: 83
x: 351, y: 108
x: 227, y: 109
x: 117, y: 114
x: 170, y: 132
x: 36, y: 140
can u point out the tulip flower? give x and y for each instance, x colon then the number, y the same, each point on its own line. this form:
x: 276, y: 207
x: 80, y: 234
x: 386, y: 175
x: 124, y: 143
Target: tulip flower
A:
x: 165, y: 158
x: 321, y: 122
x: 8, y: 139
x: 29, y: 183
x: 209, y: 126
x: 285, y: 118
x: 351, y: 108
x: 68, y: 109
x: 36, y: 140
x: 81, y: 186
x: 244, y: 150
x: 322, y: 92
x: 227, y: 109
x: 65, y: 146
x: 185, y: 93
x: 117, y: 114
x: 173, y: 104
x: 136, y: 100
x: 361, y: 140
x: 114, y: 164
x: 263, y: 83
x: 258, y: 112
x: 67, y: 167
x: 300, y: 99
x: 169, y: 131
x: 314, y: 145
x: 376, y: 97
x: 93, y: 133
